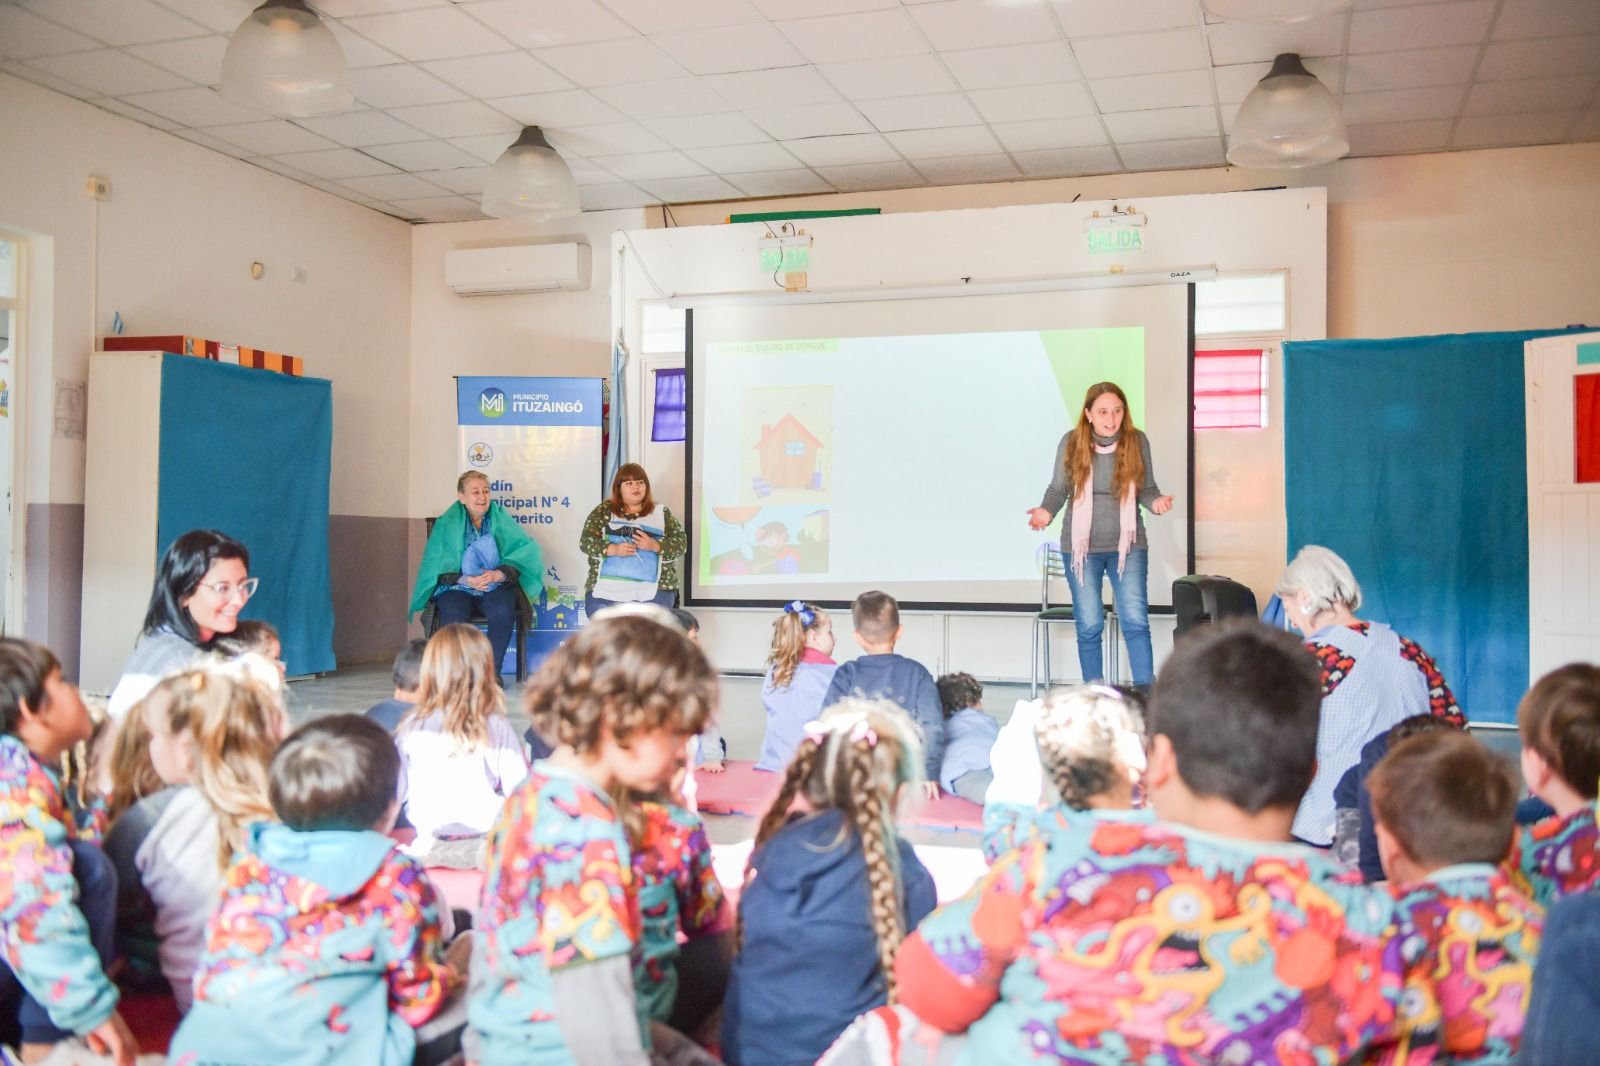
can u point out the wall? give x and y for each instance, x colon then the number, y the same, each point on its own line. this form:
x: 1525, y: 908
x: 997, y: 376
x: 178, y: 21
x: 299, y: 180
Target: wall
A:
x: 173, y: 252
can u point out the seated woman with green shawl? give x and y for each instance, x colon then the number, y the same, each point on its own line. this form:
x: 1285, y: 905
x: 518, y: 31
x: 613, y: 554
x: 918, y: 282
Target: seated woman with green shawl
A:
x: 476, y: 557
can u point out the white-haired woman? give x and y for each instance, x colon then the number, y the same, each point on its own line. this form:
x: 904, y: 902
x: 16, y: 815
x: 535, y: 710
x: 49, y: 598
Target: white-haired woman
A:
x: 1371, y: 677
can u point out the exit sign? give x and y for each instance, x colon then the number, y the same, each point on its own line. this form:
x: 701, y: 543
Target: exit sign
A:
x: 1115, y: 239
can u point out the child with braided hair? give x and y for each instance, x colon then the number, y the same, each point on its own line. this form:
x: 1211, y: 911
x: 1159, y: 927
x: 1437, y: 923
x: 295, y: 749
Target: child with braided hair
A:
x: 830, y: 890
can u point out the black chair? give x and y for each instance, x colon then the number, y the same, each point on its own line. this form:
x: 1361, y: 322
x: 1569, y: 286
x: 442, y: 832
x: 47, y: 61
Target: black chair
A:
x: 520, y: 626
x: 1055, y: 566
x: 1200, y: 599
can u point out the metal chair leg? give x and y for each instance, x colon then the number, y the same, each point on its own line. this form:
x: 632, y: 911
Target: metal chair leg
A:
x: 1033, y: 659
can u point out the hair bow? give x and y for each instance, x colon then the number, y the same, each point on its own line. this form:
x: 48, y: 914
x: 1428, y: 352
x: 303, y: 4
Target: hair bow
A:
x: 808, y: 617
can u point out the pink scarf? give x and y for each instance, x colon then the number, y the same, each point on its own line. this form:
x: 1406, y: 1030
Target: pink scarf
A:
x: 1083, y: 518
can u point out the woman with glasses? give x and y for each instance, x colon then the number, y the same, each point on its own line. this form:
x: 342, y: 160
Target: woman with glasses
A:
x: 201, y: 586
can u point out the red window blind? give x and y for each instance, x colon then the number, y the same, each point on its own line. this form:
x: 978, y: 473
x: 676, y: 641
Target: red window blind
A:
x: 1230, y: 388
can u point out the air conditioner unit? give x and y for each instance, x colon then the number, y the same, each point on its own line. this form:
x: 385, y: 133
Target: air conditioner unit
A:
x: 519, y: 268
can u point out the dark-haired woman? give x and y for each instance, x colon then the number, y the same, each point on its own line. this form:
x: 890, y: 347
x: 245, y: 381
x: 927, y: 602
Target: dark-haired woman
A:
x: 201, y: 586
x: 633, y: 544
x: 1103, y: 468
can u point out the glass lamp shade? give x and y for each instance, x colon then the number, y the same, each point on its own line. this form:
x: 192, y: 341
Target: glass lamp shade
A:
x: 1289, y: 121
x: 1272, y: 10
x: 530, y: 181
x: 284, y: 61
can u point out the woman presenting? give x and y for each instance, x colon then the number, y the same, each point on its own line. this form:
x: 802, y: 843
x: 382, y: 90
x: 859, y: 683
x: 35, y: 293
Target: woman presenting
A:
x: 475, y: 557
x: 1103, y: 466
x: 633, y: 545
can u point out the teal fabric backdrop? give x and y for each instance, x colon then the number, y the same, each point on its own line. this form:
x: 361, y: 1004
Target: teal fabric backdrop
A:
x: 1409, y: 458
x: 248, y: 452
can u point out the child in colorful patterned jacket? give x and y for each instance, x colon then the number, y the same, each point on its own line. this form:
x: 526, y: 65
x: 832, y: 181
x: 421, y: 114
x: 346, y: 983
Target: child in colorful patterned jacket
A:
x: 552, y: 970
x: 58, y: 894
x: 326, y: 946
x: 1445, y: 808
x: 1559, y: 724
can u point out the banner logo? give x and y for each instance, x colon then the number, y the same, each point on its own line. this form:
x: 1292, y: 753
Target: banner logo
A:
x: 480, y: 454
x: 492, y: 403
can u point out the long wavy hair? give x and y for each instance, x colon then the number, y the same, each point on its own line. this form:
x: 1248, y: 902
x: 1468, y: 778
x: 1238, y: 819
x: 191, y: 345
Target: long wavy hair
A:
x: 459, y: 680
x: 1129, y: 466
x: 789, y: 631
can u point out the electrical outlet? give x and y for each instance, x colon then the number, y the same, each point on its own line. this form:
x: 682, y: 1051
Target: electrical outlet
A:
x: 97, y: 187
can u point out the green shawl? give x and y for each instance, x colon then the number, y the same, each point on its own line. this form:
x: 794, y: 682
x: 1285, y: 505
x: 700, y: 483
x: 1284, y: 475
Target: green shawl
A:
x: 448, y: 542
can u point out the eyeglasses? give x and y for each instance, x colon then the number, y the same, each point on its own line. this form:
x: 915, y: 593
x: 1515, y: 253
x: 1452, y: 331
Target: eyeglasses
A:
x: 226, y: 589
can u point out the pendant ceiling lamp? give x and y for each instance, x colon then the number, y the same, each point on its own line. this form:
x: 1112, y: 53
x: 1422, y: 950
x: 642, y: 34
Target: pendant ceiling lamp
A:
x: 284, y: 60
x: 530, y: 181
x: 1289, y: 121
x: 1273, y: 10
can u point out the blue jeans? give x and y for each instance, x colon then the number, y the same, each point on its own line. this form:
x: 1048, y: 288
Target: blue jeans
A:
x: 498, y: 607
x: 1130, y: 592
x: 667, y: 598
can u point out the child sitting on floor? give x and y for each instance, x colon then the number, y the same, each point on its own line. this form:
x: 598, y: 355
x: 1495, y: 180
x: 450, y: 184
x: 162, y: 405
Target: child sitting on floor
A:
x: 407, y: 677
x: 326, y: 946
x: 1558, y: 722
x: 880, y: 674
x: 552, y: 968
x: 830, y: 890
x: 799, y: 671
x: 1445, y: 808
x: 969, y: 734
x: 709, y: 749
x: 459, y: 755
x: 58, y: 894
x: 253, y: 637
x: 1355, y: 840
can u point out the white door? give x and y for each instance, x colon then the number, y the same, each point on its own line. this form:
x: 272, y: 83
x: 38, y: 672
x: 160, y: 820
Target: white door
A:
x: 1563, y: 513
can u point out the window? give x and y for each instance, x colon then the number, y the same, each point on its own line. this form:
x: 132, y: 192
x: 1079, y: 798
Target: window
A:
x: 667, y: 424
x: 1240, y: 305
x: 1230, y: 388
x: 795, y: 448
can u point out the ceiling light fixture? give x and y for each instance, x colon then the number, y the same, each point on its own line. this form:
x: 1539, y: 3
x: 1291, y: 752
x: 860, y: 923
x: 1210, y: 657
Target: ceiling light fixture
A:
x: 284, y: 60
x: 530, y: 181
x: 1289, y: 121
x: 1273, y: 10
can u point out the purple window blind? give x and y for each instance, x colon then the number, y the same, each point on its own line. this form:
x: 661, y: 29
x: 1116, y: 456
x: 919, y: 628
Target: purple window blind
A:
x: 668, y: 423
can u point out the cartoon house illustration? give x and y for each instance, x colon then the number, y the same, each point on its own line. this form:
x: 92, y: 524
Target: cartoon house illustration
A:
x: 789, y: 455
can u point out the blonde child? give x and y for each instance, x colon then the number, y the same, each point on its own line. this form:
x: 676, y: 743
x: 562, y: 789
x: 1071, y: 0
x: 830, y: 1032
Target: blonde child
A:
x: 57, y: 895
x: 1559, y: 724
x: 459, y: 755
x: 213, y: 731
x: 799, y: 671
x: 830, y: 890
x: 553, y: 978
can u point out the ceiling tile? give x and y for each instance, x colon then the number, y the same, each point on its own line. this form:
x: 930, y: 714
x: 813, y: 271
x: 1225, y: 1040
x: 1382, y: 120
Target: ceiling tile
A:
x: 945, y: 143
x: 1395, y: 105
x: 138, y: 114
x: 780, y: 183
x: 919, y: 112
x: 221, y: 16
x: 1023, y: 103
x: 653, y: 16
x: 341, y: 9
x: 1410, y: 70
x: 199, y: 58
x: 649, y: 166
x: 359, y: 51
x: 430, y: 33
x: 612, y: 138
x: 612, y: 62
x: 976, y: 24
x: 1161, y: 124
x: 1396, y: 138
x: 549, y: 23
x: 506, y: 74
x: 837, y: 38
x: 442, y: 208
x: 356, y: 129
x: 1017, y: 64
x: 584, y: 172
x: 392, y: 187
x: 867, y: 177
x: 841, y: 151
x: 19, y: 69
x: 726, y: 49
x: 1096, y: 18
x: 1166, y: 155
x: 401, y: 85
x: 808, y: 120
x: 467, y: 118
x: 1424, y: 26
x: 1235, y: 83
x: 772, y: 88
x: 1487, y: 131
x: 794, y: 9
x: 876, y: 79
x: 744, y: 158
x: 275, y: 137
x: 614, y: 195
x: 1530, y: 94
x: 119, y: 23
x: 706, y: 131
x: 1261, y: 42
x: 1182, y: 88
x: 663, y: 99
x: 1546, y: 18
x: 1142, y: 53
x: 337, y: 163
x: 1050, y: 133
x: 1552, y: 57
x: 423, y: 155
x: 194, y: 107
x: 488, y: 147
x: 205, y: 140
x: 108, y: 71
x: 24, y: 35
x: 575, y: 107
x: 1068, y: 162
x: 691, y: 190
x: 283, y: 169
x: 968, y: 169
